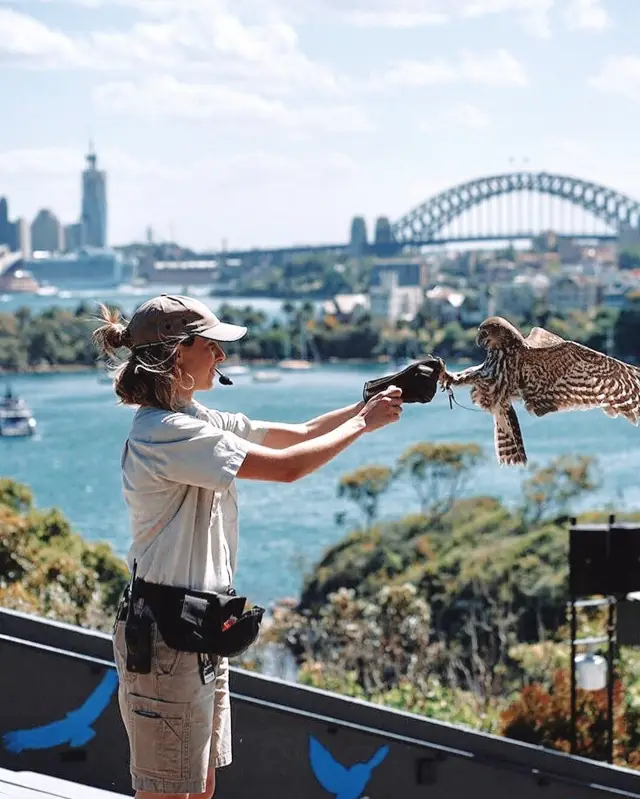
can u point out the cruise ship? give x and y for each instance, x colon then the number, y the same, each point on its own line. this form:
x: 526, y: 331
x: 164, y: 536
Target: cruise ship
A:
x: 88, y: 267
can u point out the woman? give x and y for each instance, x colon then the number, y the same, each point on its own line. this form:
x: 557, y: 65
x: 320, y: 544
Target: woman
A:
x: 179, y: 464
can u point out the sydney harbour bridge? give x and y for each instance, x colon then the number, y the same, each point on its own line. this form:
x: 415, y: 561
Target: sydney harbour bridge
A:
x: 507, y: 207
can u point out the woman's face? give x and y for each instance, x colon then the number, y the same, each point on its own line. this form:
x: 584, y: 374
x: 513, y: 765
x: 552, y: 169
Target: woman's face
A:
x: 199, y: 362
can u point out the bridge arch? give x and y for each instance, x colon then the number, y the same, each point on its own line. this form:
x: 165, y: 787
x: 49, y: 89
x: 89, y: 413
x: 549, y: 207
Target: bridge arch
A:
x: 422, y: 224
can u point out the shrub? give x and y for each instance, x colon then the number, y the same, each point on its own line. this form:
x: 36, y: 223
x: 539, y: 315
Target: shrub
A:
x: 541, y: 715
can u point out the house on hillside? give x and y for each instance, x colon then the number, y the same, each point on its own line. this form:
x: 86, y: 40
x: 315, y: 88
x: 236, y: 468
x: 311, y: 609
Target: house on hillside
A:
x: 573, y: 293
x: 391, y: 302
x: 346, y: 308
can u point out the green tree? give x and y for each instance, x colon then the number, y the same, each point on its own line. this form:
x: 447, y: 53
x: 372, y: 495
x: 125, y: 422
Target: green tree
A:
x: 364, y: 486
x: 549, y: 492
x: 16, y: 496
x: 46, y: 568
x: 438, y: 472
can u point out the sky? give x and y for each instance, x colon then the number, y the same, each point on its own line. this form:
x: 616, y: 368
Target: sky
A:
x: 274, y: 122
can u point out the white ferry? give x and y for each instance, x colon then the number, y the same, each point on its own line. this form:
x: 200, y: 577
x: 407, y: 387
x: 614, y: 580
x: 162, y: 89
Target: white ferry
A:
x: 16, y: 418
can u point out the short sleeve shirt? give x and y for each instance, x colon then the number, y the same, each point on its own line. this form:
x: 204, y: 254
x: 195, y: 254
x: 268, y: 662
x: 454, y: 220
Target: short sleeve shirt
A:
x: 178, y: 472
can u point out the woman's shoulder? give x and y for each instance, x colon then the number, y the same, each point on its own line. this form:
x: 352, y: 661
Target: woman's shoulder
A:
x: 157, y: 424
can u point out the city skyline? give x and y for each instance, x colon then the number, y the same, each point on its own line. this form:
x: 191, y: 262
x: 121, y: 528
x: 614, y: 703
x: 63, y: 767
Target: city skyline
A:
x: 47, y: 232
x: 277, y: 122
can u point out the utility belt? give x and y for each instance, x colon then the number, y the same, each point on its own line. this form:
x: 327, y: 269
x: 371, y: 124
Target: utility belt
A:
x: 189, y: 621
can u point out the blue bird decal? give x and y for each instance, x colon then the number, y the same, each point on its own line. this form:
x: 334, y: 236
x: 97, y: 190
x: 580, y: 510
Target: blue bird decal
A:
x: 74, y: 729
x: 344, y: 783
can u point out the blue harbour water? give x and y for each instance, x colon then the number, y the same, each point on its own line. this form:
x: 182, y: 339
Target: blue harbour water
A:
x: 73, y: 462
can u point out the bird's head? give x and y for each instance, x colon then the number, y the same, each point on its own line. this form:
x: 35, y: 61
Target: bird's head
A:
x: 495, y: 333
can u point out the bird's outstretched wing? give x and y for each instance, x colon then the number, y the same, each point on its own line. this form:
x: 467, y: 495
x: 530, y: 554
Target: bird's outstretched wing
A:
x: 507, y: 437
x: 568, y: 376
x: 329, y: 773
x: 539, y: 337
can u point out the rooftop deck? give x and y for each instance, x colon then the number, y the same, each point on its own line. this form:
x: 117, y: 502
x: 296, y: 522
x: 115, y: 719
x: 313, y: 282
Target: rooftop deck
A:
x: 59, y: 718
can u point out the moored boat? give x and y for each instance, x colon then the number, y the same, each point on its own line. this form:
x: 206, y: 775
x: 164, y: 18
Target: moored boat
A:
x: 16, y: 418
x: 266, y: 376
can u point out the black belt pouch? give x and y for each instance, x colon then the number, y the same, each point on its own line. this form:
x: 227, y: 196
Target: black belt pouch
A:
x: 199, y: 621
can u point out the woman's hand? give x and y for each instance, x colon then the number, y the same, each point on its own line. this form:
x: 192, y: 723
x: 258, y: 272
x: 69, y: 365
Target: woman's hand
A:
x: 382, y: 409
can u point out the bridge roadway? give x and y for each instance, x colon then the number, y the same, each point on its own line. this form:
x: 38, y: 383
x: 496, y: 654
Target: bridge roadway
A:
x: 383, y: 249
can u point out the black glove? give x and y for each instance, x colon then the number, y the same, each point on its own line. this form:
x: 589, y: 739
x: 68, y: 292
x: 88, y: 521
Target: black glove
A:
x: 418, y: 382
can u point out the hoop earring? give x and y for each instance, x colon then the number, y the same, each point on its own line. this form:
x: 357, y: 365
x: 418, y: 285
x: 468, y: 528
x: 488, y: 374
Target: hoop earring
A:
x: 179, y: 379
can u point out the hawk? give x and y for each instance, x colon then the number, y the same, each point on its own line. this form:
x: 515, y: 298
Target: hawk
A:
x: 548, y: 374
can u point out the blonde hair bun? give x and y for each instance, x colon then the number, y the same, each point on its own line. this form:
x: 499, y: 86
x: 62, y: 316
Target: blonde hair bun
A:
x: 113, y: 334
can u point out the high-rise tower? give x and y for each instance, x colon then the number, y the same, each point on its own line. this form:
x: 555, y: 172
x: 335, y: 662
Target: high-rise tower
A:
x: 5, y: 226
x: 94, y: 203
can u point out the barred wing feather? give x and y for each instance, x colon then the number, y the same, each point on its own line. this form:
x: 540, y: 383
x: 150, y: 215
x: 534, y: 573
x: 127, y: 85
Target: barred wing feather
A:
x: 569, y: 376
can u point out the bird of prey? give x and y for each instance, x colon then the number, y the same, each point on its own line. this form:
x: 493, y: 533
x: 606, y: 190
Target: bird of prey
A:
x: 344, y: 783
x: 75, y: 728
x: 548, y: 374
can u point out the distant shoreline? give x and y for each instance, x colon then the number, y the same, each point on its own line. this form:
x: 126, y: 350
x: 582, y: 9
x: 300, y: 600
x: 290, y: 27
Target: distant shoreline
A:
x: 84, y: 369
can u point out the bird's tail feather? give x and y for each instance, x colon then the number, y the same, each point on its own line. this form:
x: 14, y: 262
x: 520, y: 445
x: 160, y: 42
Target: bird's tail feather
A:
x: 508, y: 437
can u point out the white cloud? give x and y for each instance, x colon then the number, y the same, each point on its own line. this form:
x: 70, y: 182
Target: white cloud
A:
x: 408, y: 73
x: 162, y: 97
x: 190, y: 37
x: 619, y: 75
x: 393, y: 18
x: 587, y: 15
x: 25, y: 38
x: 465, y: 115
x: 498, y: 68
x: 533, y: 15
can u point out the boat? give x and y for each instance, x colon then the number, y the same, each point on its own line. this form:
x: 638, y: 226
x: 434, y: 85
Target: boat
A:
x: 266, y: 376
x: 16, y: 418
x: 295, y: 365
x: 289, y: 364
x: 235, y: 369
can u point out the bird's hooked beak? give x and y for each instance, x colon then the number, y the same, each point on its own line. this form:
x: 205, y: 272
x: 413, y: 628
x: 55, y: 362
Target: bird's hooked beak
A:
x: 481, y: 338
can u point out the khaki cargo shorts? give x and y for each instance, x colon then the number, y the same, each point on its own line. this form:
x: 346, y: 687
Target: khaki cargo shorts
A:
x: 178, y: 728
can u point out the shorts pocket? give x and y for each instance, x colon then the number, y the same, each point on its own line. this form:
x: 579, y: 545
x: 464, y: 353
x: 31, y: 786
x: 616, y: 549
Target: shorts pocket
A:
x: 160, y: 738
x: 167, y: 658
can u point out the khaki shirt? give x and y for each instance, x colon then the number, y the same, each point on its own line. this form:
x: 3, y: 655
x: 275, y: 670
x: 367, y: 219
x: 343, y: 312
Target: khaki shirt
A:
x: 178, y: 472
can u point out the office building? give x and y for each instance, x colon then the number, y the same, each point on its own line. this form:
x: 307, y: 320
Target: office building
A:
x: 6, y: 233
x: 46, y: 232
x: 94, y: 203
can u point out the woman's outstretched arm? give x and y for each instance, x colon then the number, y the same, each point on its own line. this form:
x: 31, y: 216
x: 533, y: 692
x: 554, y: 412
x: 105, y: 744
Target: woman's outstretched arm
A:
x: 281, y: 435
x: 289, y: 464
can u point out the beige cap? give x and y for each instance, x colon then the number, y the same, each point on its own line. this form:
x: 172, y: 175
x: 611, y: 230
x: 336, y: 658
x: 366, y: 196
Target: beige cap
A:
x: 172, y: 316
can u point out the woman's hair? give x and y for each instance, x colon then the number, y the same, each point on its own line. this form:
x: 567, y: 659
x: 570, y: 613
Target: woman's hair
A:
x: 150, y: 375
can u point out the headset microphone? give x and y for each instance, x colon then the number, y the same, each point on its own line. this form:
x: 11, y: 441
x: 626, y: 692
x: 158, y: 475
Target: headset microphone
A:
x: 224, y: 380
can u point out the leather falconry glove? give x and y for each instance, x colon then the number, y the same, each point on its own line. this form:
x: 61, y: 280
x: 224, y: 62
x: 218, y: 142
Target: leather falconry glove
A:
x: 418, y: 382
